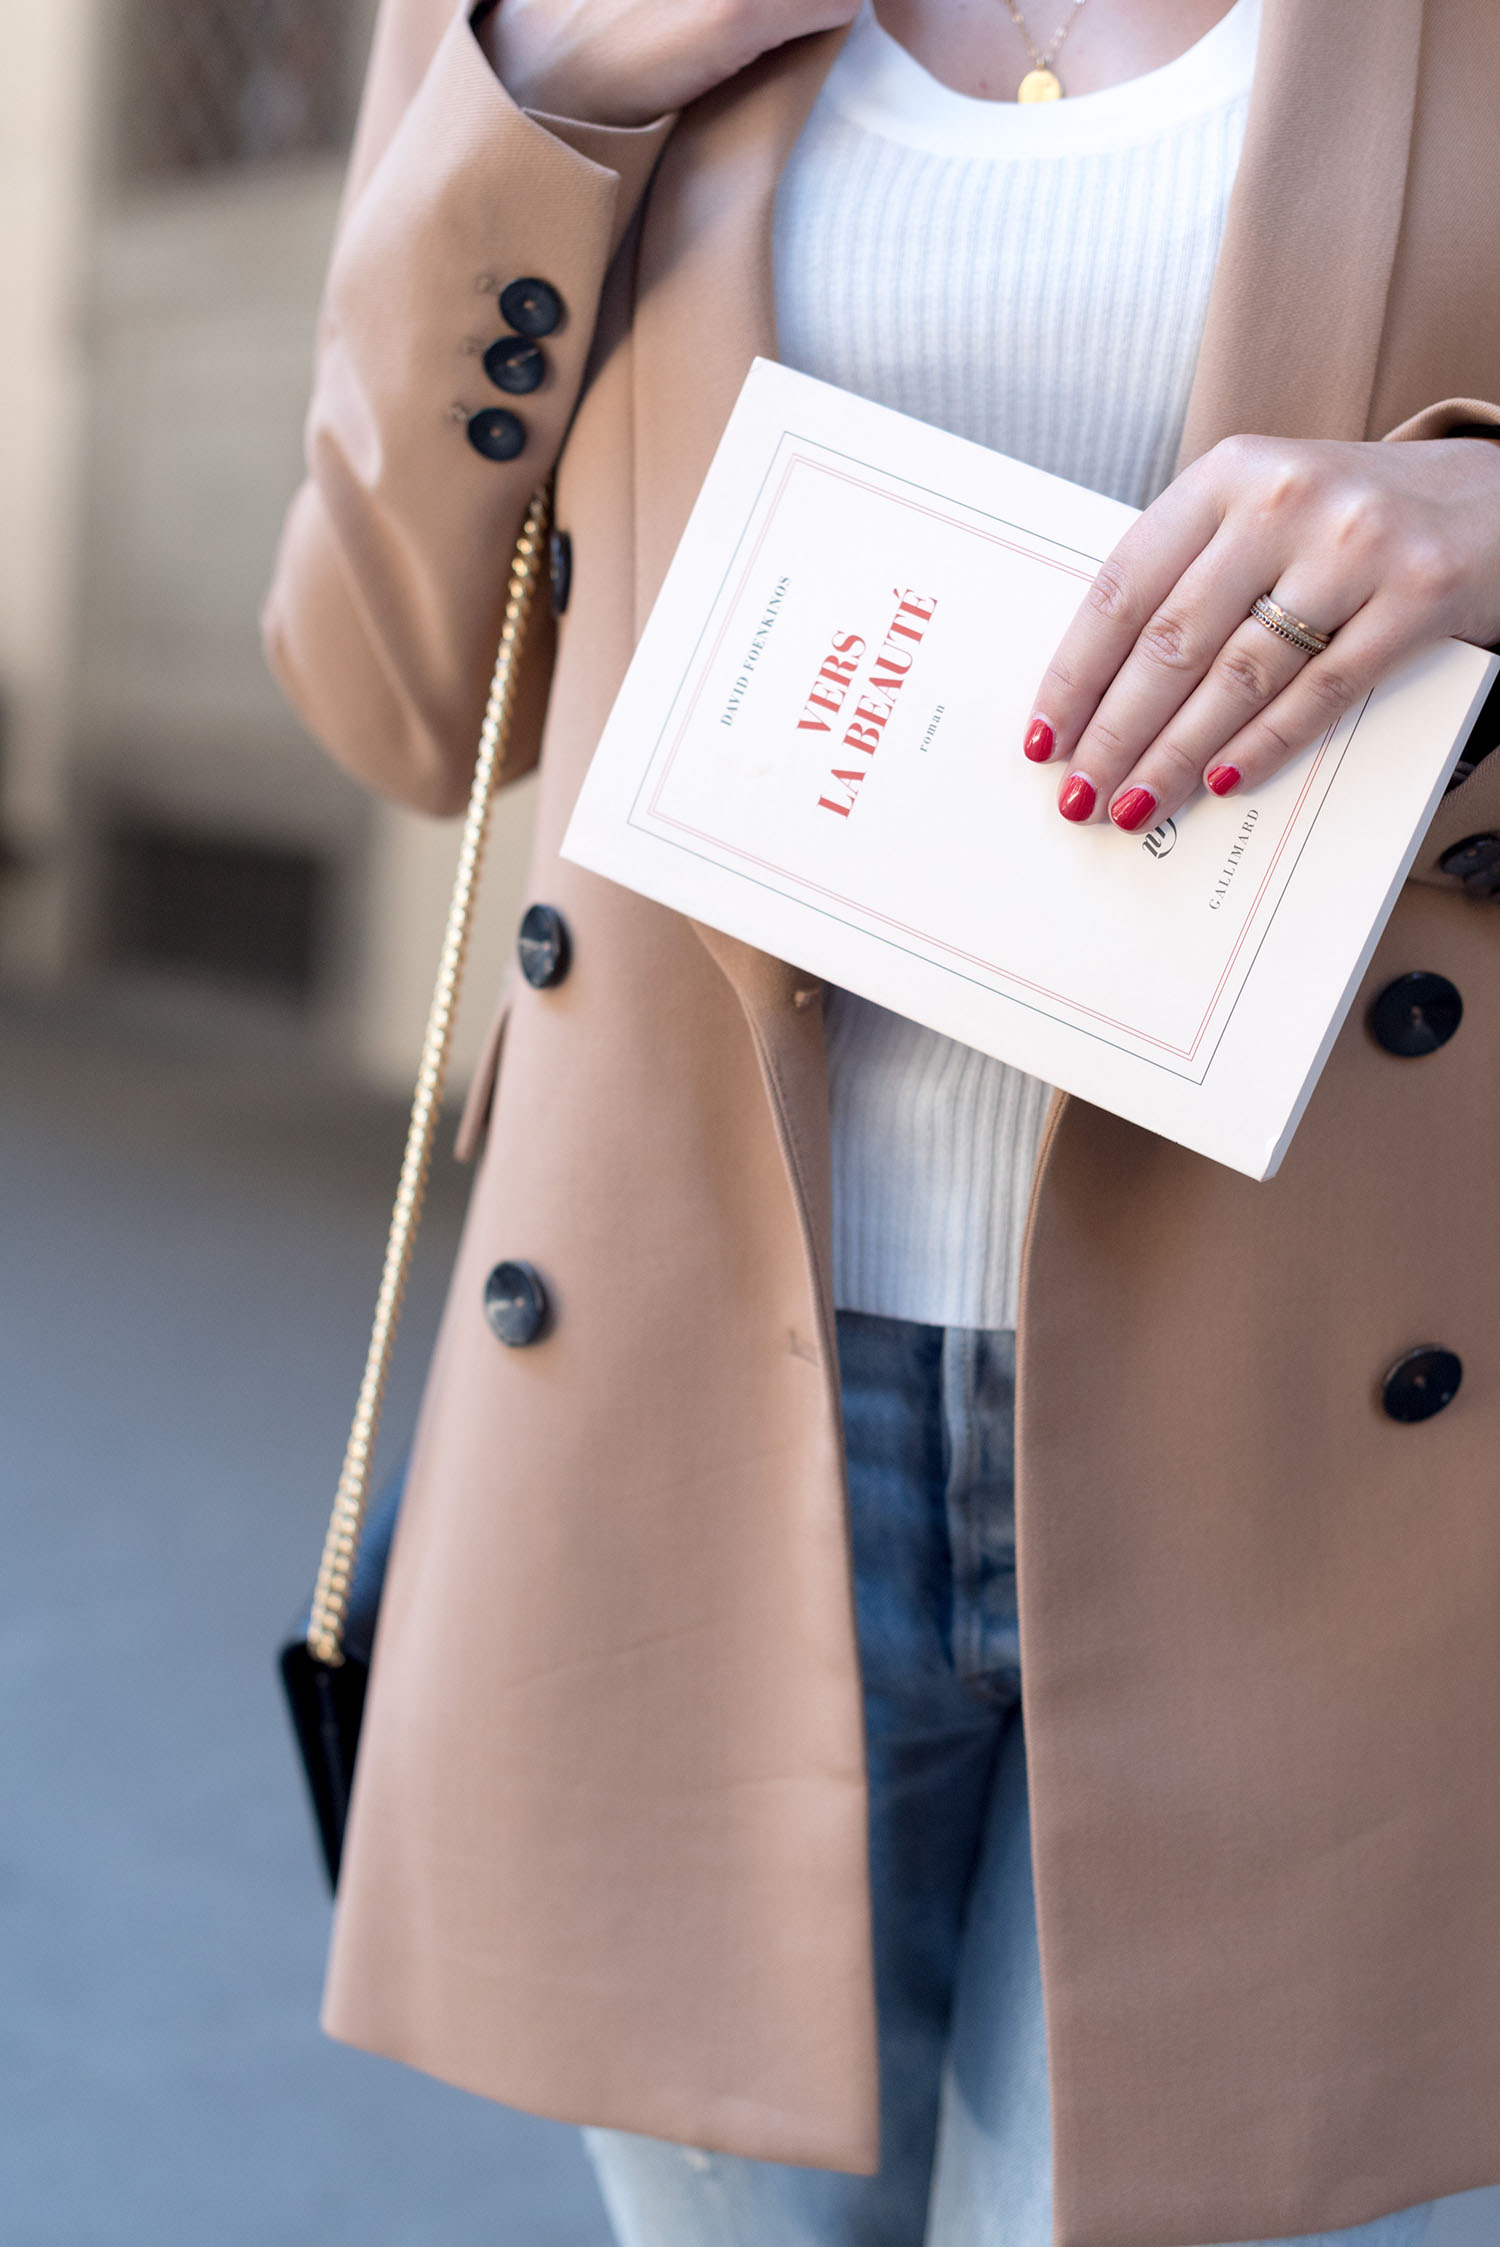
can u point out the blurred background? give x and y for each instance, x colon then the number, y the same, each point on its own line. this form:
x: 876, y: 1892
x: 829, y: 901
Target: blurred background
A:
x: 215, y: 956
x: 169, y: 171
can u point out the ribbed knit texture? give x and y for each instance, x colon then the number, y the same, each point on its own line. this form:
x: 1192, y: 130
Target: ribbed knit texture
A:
x: 1036, y: 279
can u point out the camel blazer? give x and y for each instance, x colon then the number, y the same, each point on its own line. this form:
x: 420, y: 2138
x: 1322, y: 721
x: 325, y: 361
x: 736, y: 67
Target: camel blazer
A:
x: 607, y: 1850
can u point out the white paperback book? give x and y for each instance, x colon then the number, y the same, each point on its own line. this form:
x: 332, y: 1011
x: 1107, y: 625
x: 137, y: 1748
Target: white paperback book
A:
x: 817, y: 749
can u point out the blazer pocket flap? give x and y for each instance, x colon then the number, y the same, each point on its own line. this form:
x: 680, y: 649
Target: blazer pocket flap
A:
x: 475, y: 1119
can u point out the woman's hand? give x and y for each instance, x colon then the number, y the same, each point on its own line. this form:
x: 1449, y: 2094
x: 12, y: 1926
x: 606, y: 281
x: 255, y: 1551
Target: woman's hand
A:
x: 625, y: 62
x: 1164, y: 681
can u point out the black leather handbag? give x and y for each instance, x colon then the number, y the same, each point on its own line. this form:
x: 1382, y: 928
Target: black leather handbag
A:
x: 324, y: 1669
x: 327, y: 1699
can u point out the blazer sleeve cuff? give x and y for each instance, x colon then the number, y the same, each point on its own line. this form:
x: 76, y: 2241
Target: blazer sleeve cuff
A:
x: 1481, y: 415
x: 393, y: 572
x: 629, y: 151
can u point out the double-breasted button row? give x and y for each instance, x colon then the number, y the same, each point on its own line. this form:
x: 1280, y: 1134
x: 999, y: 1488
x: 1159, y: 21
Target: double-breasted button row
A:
x: 516, y: 364
x: 543, y: 946
x: 1476, y: 863
x: 515, y: 1295
x: 1421, y: 1383
x: 1416, y: 1014
x: 515, y: 1303
x: 1412, y: 1017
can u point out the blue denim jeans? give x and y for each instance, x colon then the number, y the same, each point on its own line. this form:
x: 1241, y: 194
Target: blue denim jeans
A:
x: 966, y: 2126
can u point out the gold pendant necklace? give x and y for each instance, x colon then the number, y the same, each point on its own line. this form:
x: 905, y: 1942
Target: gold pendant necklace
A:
x: 1041, y: 82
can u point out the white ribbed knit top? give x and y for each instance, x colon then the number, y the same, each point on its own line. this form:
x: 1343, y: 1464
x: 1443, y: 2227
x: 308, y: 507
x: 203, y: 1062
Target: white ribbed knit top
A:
x: 1035, y: 278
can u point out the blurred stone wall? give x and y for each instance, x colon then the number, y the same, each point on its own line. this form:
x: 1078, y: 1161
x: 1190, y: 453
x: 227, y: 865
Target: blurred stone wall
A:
x: 169, y: 175
x: 44, y: 107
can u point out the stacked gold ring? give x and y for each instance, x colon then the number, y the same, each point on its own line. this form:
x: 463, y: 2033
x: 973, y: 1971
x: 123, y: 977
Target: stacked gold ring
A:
x: 1281, y: 621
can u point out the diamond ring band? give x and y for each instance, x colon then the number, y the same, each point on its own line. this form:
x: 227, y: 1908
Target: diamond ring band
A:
x: 1281, y: 621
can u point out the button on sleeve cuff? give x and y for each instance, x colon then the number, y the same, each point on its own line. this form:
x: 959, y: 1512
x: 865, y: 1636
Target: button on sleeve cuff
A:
x: 461, y: 193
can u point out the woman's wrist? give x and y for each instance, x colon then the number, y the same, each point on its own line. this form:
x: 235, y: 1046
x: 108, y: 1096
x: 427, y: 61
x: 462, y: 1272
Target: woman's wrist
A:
x: 626, y: 63
x: 537, y: 72
x: 494, y: 28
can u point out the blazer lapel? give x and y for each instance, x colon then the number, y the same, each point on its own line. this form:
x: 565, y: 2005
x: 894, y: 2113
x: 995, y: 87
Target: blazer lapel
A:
x: 1298, y: 305
x: 705, y: 307
x: 705, y: 303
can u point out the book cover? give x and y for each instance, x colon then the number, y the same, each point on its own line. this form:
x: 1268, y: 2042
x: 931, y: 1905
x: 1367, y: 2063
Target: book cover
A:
x: 817, y: 749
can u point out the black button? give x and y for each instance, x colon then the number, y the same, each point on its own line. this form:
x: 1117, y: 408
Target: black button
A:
x: 497, y: 433
x: 1421, y: 1383
x: 1416, y: 1014
x: 543, y: 946
x: 516, y: 364
x: 532, y: 307
x: 560, y: 569
x: 1475, y: 862
x: 515, y: 1303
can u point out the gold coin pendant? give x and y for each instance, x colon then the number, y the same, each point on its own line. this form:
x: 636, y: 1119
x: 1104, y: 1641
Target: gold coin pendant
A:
x: 1040, y: 85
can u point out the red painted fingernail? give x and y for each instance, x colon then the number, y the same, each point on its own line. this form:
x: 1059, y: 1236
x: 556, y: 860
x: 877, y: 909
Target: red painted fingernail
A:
x: 1133, y: 809
x: 1078, y: 797
x: 1038, y: 742
x: 1222, y: 779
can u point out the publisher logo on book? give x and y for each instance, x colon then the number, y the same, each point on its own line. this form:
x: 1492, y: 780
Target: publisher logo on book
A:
x: 1162, y: 840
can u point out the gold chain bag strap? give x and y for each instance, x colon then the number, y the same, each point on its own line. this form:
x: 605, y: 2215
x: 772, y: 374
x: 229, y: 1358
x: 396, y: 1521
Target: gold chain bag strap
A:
x: 325, y: 1668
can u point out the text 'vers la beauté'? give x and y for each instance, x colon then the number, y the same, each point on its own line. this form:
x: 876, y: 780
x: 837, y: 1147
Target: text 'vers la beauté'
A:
x: 828, y: 707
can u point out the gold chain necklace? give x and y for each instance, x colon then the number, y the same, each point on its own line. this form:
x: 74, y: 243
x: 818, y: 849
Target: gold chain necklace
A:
x: 1041, y: 82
